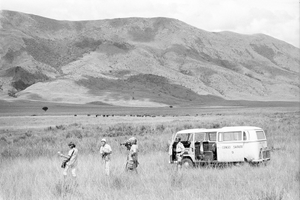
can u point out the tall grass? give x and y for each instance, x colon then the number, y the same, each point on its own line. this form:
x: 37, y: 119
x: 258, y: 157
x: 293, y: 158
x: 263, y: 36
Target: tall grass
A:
x: 30, y: 169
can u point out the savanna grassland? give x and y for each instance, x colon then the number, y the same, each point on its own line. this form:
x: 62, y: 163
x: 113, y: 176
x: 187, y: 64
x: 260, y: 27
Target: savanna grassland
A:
x: 30, y: 167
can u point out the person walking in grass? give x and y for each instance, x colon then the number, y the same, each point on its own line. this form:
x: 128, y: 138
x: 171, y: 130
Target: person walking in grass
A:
x: 70, y: 161
x: 105, y: 151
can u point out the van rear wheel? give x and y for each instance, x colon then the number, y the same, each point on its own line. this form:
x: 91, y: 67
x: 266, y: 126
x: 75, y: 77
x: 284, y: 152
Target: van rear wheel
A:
x: 187, y: 163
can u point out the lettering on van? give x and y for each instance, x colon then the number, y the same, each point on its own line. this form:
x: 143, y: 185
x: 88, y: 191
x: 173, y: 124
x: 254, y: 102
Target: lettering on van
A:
x: 225, y: 147
x: 237, y: 146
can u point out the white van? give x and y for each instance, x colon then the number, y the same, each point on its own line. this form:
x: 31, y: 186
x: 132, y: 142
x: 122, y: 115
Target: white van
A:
x: 223, y: 145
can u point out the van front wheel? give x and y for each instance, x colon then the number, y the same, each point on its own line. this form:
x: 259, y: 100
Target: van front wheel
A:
x: 187, y: 163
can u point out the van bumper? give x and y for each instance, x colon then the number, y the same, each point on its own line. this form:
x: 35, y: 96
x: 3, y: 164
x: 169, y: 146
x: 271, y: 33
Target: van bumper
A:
x: 260, y: 160
x: 265, y: 155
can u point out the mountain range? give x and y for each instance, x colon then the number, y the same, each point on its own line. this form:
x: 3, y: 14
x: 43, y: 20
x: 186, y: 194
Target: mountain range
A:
x: 140, y: 62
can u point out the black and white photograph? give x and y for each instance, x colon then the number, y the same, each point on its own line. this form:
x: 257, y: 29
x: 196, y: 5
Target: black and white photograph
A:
x: 149, y: 99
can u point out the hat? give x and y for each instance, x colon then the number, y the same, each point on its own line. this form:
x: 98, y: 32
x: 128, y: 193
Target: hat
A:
x: 133, y: 140
x: 71, y: 144
x: 103, y: 140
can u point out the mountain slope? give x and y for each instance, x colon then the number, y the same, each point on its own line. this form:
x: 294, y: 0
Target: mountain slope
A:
x: 117, y: 61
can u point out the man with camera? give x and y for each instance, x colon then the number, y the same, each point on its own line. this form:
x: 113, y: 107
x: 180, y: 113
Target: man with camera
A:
x: 105, y: 151
x: 70, y: 161
x: 132, y: 157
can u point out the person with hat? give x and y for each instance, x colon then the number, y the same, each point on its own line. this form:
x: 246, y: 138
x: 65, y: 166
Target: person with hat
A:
x: 70, y: 161
x: 105, y: 151
x: 132, y: 157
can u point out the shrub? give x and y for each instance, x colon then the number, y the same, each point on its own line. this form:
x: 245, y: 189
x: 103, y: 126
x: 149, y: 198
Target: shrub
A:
x: 74, y: 133
x: 62, y: 127
x: 12, y: 93
x: 160, y: 128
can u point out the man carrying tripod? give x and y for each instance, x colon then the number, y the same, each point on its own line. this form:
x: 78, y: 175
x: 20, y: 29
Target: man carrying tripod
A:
x: 132, y: 157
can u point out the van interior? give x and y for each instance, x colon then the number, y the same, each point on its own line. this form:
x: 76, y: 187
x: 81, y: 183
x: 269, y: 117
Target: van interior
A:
x: 205, y: 145
x: 208, y: 153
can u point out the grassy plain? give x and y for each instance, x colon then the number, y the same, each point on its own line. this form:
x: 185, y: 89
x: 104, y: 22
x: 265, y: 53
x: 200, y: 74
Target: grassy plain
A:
x: 30, y: 168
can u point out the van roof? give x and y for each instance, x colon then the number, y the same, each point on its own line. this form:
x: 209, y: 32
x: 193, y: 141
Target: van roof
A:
x: 199, y: 130
x: 203, y: 130
x: 241, y: 127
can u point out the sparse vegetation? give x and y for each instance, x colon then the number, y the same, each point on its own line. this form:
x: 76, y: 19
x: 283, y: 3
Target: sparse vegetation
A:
x: 146, y: 86
x: 30, y: 169
x: 251, y: 76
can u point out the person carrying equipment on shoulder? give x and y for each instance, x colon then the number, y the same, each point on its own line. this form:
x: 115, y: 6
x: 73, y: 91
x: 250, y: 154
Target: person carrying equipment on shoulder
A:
x: 70, y: 161
x: 132, y: 157
x: 105, y: 151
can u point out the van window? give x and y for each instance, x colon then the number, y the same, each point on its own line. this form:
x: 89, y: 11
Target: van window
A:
x: 199, y: 137
x: 185, y: 136
x: 260, y: 135
x: 186, y: 139
x: 212, y: 136
x: 244, y: 136
x: 230, y: 136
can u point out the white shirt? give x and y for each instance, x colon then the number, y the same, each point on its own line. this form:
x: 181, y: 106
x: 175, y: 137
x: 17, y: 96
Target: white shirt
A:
x: 105, y: 151
x: 73, y: 161
x: 180, y: 148
x: 133, y: 152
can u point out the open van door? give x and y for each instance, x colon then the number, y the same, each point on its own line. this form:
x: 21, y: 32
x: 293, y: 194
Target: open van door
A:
x: 171, y: 149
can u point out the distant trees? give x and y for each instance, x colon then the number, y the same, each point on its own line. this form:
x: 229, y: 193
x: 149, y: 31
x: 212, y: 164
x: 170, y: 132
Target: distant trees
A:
x: 12, y: 93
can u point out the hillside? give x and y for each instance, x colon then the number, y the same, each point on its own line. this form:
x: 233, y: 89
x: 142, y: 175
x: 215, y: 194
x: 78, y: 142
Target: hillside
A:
x: 140, y: 62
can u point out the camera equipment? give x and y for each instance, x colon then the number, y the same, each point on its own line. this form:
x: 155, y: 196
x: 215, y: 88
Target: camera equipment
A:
x: 126, y: 144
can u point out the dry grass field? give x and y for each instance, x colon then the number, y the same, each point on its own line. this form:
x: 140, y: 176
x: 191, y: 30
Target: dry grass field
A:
x: 30, y: 168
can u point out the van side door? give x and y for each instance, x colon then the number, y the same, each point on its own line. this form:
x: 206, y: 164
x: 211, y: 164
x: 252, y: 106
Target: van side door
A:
x: 230, y: 147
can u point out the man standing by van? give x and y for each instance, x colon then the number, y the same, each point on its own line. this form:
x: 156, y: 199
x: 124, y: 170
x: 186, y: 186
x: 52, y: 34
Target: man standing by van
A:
x: 179, y: 152
x: 105, y: 151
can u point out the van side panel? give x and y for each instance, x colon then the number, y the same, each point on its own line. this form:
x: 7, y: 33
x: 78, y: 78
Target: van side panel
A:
x: 254, y: 145
x: 251, y: 151
x: 230, y: 151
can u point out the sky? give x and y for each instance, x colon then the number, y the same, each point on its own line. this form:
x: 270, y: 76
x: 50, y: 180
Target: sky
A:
x: 276, y: 18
